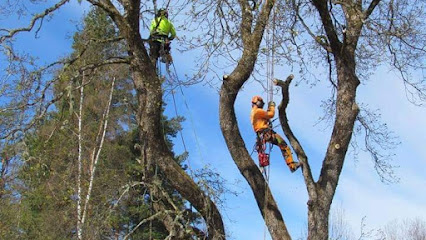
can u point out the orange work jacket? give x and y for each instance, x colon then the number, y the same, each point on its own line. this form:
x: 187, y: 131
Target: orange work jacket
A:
x: 260, y: 118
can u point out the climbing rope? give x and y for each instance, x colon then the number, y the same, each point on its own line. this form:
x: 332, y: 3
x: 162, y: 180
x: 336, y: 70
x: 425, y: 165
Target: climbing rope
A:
x: 270, y: 57
x: 174, y: 79
x: 270, y: 60
x: 266, y: 201
x: 176, y: 114
x: 171, y: 77
x: 191, y: 119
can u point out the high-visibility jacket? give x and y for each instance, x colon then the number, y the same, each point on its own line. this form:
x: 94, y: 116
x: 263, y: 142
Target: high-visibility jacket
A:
x: 164, y: 28
x: 260, y: 118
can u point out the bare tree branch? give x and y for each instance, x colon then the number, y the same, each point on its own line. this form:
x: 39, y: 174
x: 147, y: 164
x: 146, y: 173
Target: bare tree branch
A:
x: 321, y: 5
x: 371, y: 8
x: 301, y: 155
x: 37, y: 17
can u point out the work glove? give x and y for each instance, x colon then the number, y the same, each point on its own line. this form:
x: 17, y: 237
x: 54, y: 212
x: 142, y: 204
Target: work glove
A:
x: 271, y: 104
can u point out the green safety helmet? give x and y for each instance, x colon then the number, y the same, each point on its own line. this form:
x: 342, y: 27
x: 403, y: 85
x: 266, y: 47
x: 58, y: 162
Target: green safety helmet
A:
x: 162, y: 12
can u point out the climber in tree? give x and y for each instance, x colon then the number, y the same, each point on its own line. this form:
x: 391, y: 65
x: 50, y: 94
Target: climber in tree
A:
x: 162, y: 32
x: 261, y: 121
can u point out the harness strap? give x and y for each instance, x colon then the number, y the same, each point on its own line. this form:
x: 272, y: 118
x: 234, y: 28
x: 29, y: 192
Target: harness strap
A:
x: 265, y: 134
x: 262, y: 138
x: 159, y: 37
x: 157, y: 23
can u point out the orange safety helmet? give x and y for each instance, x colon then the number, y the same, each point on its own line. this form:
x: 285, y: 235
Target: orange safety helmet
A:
x: 255, y: 99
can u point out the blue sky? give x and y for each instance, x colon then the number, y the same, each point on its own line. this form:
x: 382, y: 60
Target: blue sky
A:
x: 360, y: 192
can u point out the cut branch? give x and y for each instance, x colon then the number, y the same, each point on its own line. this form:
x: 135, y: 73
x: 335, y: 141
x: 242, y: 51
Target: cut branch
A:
x: 301, y: 155
x: 231, y: 86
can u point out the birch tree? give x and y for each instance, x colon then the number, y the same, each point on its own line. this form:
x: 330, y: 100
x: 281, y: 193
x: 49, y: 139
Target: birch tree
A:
x: 34, y: 102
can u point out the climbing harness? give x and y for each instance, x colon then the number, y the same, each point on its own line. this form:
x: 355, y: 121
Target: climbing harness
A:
x: 164, y: 56
x: 270, y: 58
x: 261, y: 147
x: 164, y: 53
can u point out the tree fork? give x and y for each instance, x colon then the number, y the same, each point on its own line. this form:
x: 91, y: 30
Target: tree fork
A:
x: 232, y: 83
x: 149, y: 94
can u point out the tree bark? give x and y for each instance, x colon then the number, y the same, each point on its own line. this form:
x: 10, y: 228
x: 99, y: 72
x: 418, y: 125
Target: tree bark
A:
x: 264, y: 198
x: 251, y: 37
x: 3, y: 171
x: 154, y: 151
x: 321, y: 193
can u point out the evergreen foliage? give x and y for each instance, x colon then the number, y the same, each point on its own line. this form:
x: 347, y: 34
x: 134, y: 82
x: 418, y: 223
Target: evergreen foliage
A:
x: 44, y: 200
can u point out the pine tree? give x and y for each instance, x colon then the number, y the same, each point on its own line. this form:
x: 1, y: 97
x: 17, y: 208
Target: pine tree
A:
x: 46, y: 183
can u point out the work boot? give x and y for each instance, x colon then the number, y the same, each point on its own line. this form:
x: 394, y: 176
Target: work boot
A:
x: 289, y: 159
x: 294, y: 166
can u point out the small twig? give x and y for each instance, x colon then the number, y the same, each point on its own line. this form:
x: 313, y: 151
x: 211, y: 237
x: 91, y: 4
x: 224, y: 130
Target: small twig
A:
x: 156, y: 215
x: 33, y: 21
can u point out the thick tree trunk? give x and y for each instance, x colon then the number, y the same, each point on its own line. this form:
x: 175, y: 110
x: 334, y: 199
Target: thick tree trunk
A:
x: 4, y: 165
x: 319, y: 203
x: 251, y: 37
x: 346, y: 113
x: 245, y: 163
x: 154, y: 151
x: 321, y: 193
x: 318, y: 213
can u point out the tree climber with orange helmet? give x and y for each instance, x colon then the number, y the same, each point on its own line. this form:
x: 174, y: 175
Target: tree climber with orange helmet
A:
x: 162, y: 32
x: 262, y: 126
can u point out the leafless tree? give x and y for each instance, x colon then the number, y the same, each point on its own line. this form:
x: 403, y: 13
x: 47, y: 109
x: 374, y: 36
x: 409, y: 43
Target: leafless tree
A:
x: 23, y: 109
x: 348, y: 28
x: 340, y: 228
x: 350, y: 39
x: 409, y: 229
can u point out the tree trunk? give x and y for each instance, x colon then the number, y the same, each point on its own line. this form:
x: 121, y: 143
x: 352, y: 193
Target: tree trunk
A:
x: 251, y: 37
x: 3, y: 171
x: 321, y: 193
x: 247, y: 166
x: 318, y: 212
x: 346, y: 113
x: 154, y: 151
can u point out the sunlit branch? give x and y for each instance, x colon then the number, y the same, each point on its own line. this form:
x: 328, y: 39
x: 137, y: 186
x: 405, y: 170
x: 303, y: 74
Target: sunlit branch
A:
x: 301, y: 155
x: 40, y: 16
